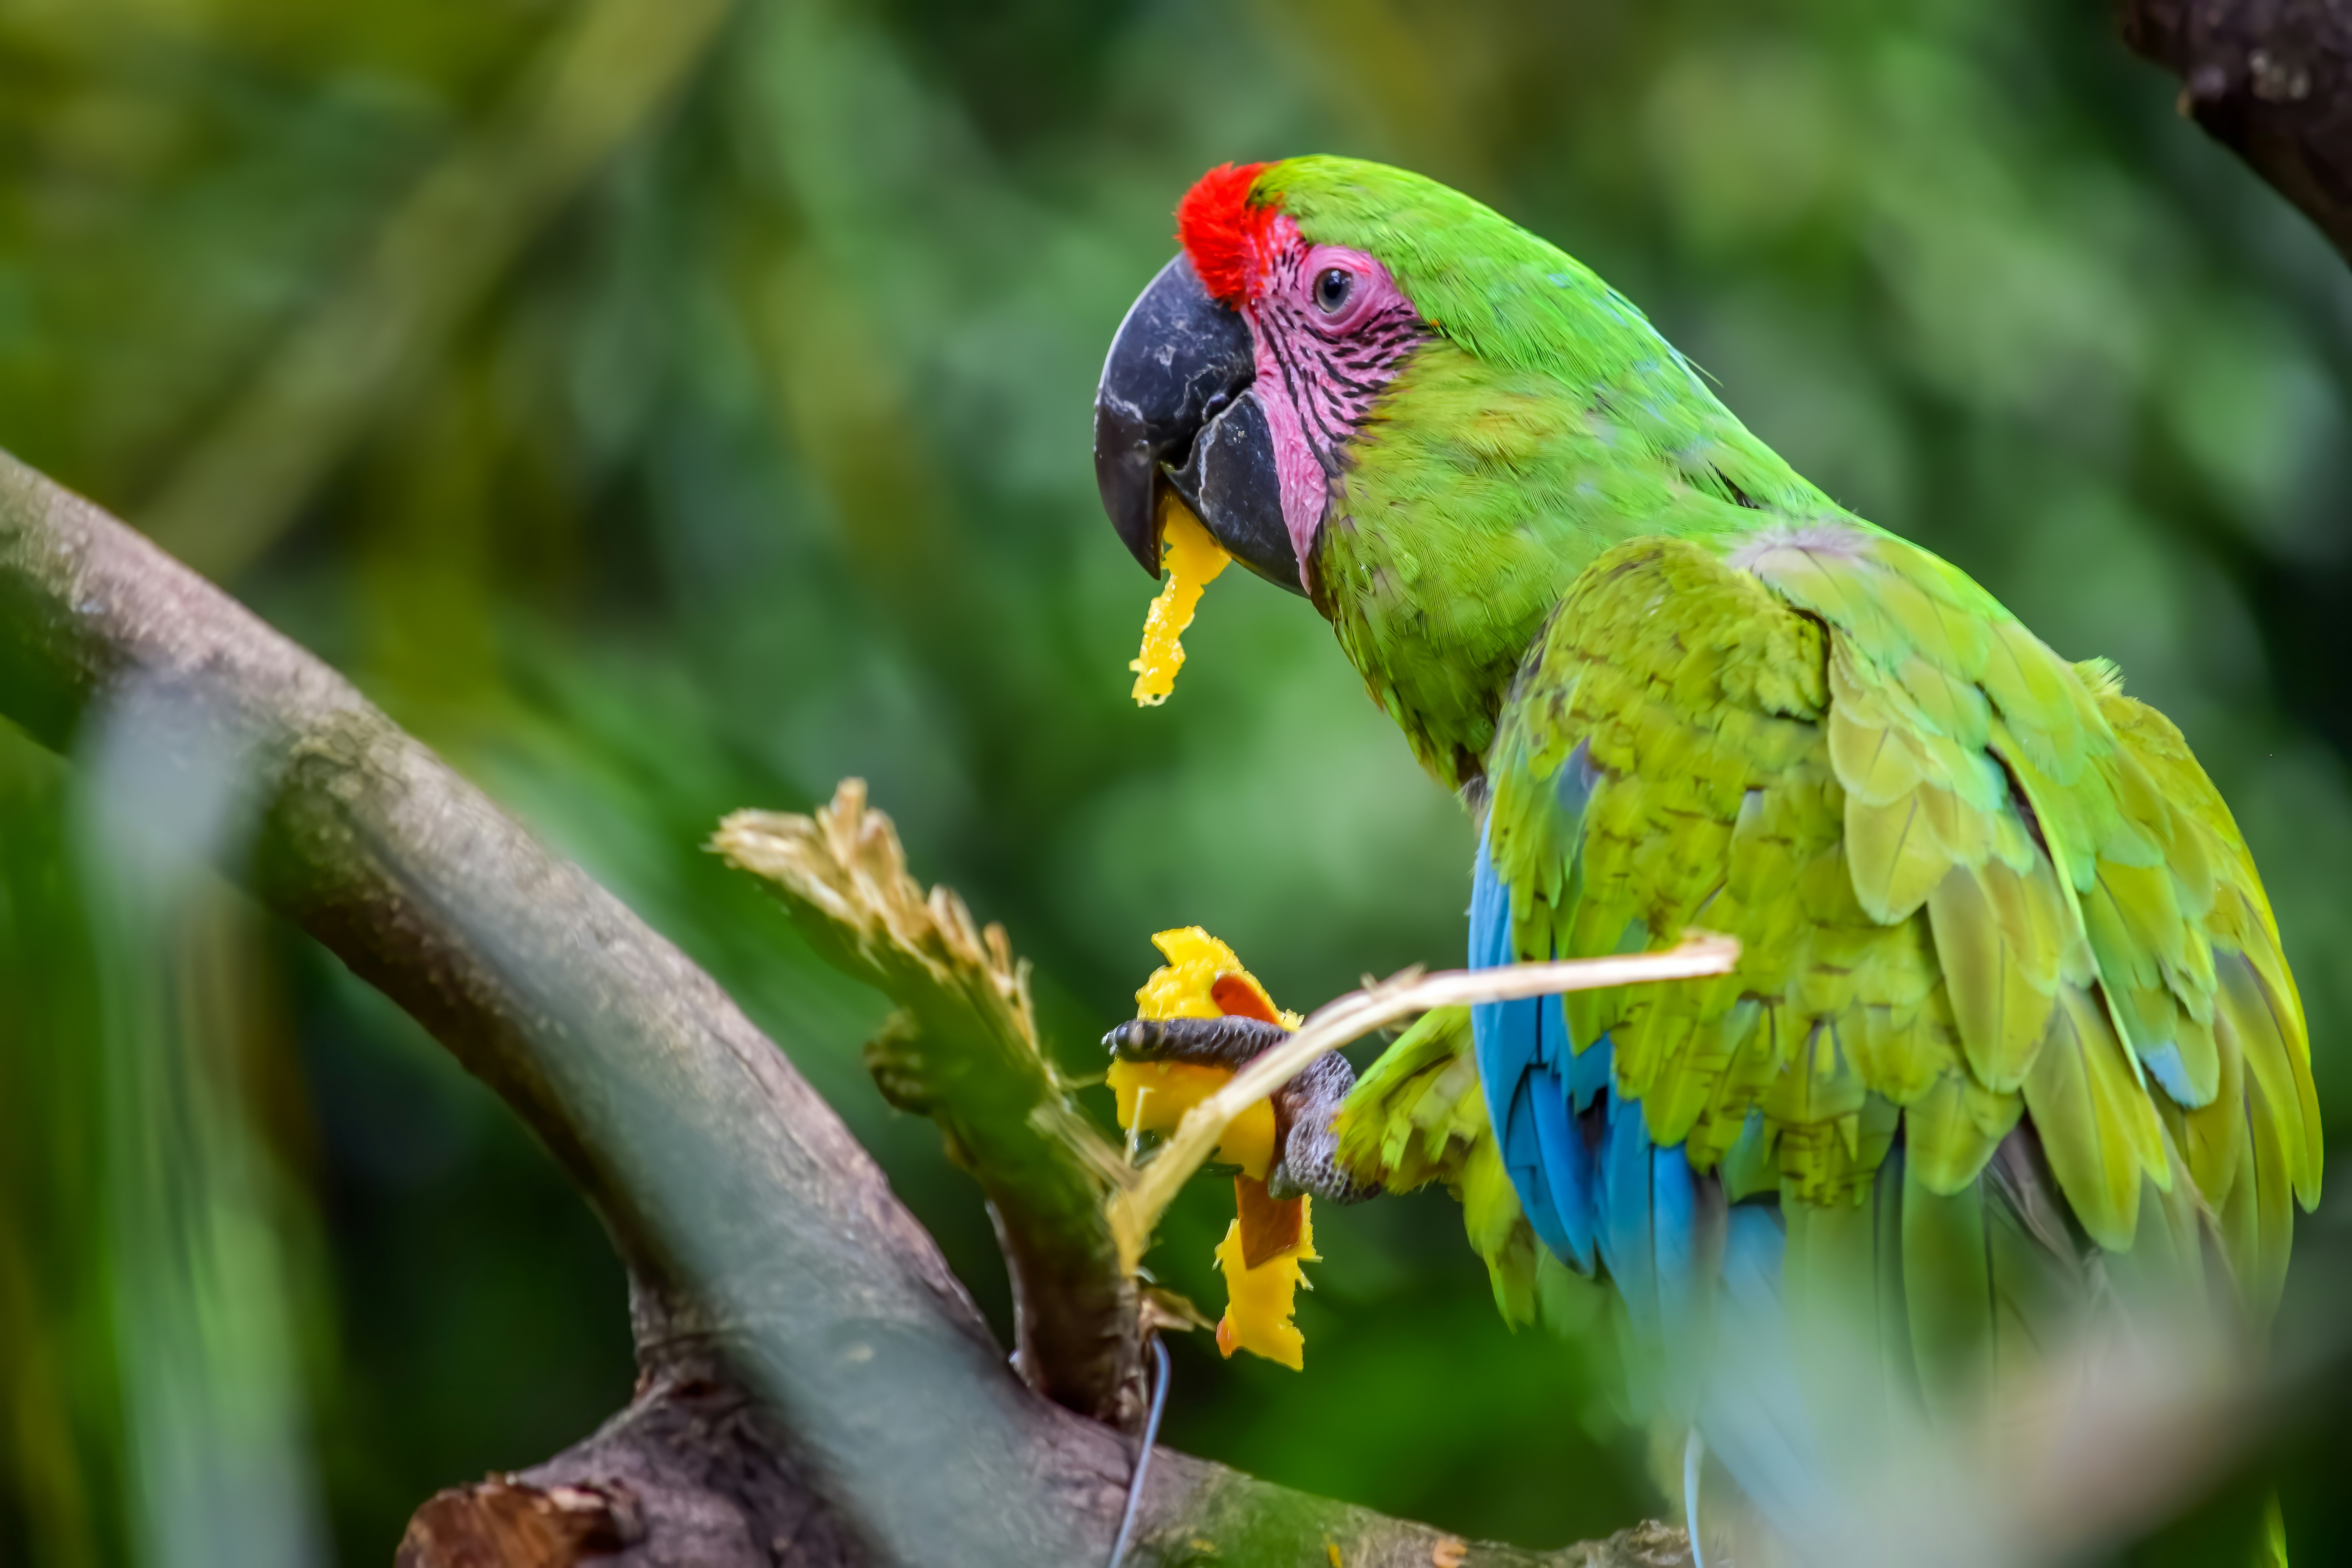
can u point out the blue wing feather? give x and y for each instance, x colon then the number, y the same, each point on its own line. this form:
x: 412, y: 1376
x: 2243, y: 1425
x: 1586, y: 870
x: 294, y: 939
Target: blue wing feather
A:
x: 1626, y: 1245
x: 1588, y: 1071
x: 1753, y: 1412
x: 1528, y: 1073
x: 1674, y: 1256
x: 1566, y: 1165
x: 1597, y: 1191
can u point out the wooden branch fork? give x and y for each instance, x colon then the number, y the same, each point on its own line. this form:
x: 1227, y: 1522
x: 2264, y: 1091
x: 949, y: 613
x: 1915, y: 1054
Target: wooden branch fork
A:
x: 816, y: 1387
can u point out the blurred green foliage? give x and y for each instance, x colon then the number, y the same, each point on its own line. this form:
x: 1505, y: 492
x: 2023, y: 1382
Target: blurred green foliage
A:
x: 754, y: 452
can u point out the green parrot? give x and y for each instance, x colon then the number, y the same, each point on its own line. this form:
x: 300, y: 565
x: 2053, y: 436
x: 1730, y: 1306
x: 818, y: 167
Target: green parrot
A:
x: 2011, y: 1044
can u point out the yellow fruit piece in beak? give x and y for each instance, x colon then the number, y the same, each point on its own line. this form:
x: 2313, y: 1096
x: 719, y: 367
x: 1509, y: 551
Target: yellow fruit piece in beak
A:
x: 1194, y: 561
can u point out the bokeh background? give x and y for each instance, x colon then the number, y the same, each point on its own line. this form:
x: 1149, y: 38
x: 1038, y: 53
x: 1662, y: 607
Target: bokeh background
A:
x: 666, y: 406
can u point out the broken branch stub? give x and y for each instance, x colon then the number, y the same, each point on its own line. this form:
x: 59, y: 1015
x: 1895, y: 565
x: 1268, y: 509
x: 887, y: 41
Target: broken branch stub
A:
x: 963, y: 1050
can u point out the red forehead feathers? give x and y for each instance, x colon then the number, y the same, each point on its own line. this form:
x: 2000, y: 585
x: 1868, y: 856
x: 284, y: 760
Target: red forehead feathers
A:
x: 1218, y: 226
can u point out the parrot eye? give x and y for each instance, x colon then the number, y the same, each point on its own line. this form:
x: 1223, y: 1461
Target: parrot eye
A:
x: 1333, y: 288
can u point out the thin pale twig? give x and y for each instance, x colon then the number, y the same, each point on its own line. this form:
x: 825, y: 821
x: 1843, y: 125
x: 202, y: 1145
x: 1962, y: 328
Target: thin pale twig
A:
x: 1136, y: 1208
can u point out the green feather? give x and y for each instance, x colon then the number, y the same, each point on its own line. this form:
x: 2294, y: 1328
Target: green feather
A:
x: 2097, y: 1126
x: 1946, y: 1291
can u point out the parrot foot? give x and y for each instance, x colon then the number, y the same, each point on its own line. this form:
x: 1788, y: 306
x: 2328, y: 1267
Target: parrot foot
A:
x: 1228, y: 1042
x: 1306, y: 1146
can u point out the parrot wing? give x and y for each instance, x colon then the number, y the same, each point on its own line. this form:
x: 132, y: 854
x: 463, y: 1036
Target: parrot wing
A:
x: 1971, y: 882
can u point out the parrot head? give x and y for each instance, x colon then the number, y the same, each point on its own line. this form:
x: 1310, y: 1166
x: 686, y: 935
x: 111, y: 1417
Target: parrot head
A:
x: 1241, y: 373
x: 1382, y: 395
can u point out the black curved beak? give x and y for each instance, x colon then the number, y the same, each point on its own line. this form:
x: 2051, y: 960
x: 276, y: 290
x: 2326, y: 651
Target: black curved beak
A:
x: 1174, y: 414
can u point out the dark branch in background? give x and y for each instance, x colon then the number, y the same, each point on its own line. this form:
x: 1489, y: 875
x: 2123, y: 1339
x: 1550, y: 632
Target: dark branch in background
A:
x: 814, y: 1386
x: 2271, y: 80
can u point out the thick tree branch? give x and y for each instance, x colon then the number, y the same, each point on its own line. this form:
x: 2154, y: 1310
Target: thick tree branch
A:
x: 708, y: 1157
x: 815, y: 1386
x: 2271, y: 79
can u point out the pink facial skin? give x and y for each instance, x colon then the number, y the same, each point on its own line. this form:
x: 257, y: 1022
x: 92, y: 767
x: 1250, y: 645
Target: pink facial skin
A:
x: 1326, y: 349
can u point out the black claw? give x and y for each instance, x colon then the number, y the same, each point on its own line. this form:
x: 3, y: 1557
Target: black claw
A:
x: 1130, y: 1040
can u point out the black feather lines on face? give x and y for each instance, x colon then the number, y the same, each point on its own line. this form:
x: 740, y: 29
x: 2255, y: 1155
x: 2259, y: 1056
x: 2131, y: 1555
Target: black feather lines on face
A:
x: 1332, y: 384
